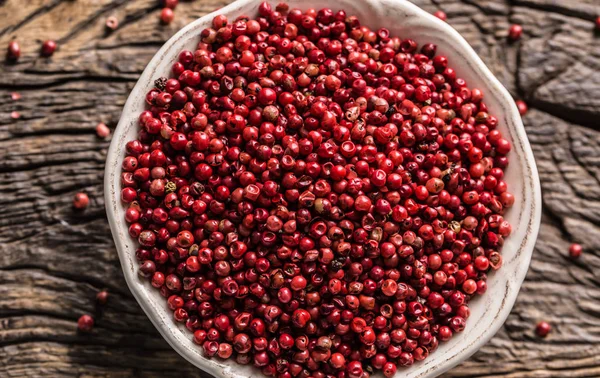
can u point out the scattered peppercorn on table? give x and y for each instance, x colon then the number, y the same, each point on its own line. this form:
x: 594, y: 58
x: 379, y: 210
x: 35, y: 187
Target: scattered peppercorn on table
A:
x: 59, y: 263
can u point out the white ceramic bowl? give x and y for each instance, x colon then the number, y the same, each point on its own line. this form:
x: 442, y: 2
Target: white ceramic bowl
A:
x: 405, y: 20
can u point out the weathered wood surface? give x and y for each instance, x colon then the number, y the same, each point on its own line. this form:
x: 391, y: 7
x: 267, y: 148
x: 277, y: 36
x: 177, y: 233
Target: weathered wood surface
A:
x: 53, y: 260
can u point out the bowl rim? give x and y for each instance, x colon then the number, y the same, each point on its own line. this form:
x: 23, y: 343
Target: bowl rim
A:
x: 121, y: 237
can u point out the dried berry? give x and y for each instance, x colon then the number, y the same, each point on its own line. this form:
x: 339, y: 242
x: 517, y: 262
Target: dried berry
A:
x: 160, y: 83
x: 102, y: 130
x: 170, y: 3
x: 102, y: 297
x: 575, y: 250
x: 167, y: 15
x: 112, y: 23
x: 48, y: 48
x: 441, y: 15
x: 514, y: 32
x: 543, y: 329
x: 80, y: 201
x: 522, y: 106
x: 13, y: 52
x: 85, y: 323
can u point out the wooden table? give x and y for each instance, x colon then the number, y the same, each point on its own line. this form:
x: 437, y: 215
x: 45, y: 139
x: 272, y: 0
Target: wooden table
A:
x: 53, y: 260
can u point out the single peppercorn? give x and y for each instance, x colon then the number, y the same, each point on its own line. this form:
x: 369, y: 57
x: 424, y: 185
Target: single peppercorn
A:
x: 13, y: 52
x: 102, y: 297
x: 102, y: 130
x: 441, y: 15
x: 80, y: 201
x: 170, y: 3
x: 167, y: 15
x: 522, y: 107
x: 112, y: 23
x: 514, y: 32
x: 597, y: 23
x: 48, y: 48
x: 542, y: 329
x: 575, y: 250
x: 85, y: 323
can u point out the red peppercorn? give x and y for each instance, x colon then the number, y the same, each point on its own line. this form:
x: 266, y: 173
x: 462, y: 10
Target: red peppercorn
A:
x: 441, y: 15
x: 354, y: 369
x: 514, y: 32
x: 389, y: 369
x: 170, y: 3
x: 337, y: 360
x: 575, y: 250
x: 112, y: 23
x: 102, y: 297
x: 225, y: 350
x: 597, y: 22
x: 267, y: 96
x: 48, y: 48
x: 102, y: 130
x: 522, y: 106
x: 80, y: 201
x: 167, y: 15
x: 13, y: 52
x: 85, y: 323
x: 543, y: 329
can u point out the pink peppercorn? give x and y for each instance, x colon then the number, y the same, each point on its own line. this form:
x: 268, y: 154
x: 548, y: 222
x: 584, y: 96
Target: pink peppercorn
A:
x: 441, y: 15
x: 170, y: 3
x: 85, y: 323
x: 80, y: 201
x: 102, y: 130
x: 543, y: 329
x: 112, y: 23
x: 48, y: 48
x: 522, y: 106
x: 167, y: 15
x: 575, y: 250
x: 13, y: 52
x: 514, y: 32
x: 102, y: 297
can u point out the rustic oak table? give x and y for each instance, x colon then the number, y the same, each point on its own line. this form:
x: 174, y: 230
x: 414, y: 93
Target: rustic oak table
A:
x: 54, y: 260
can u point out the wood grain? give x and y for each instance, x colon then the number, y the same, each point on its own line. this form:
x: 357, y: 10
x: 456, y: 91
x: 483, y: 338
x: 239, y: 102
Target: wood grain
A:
x: 53, y: 260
